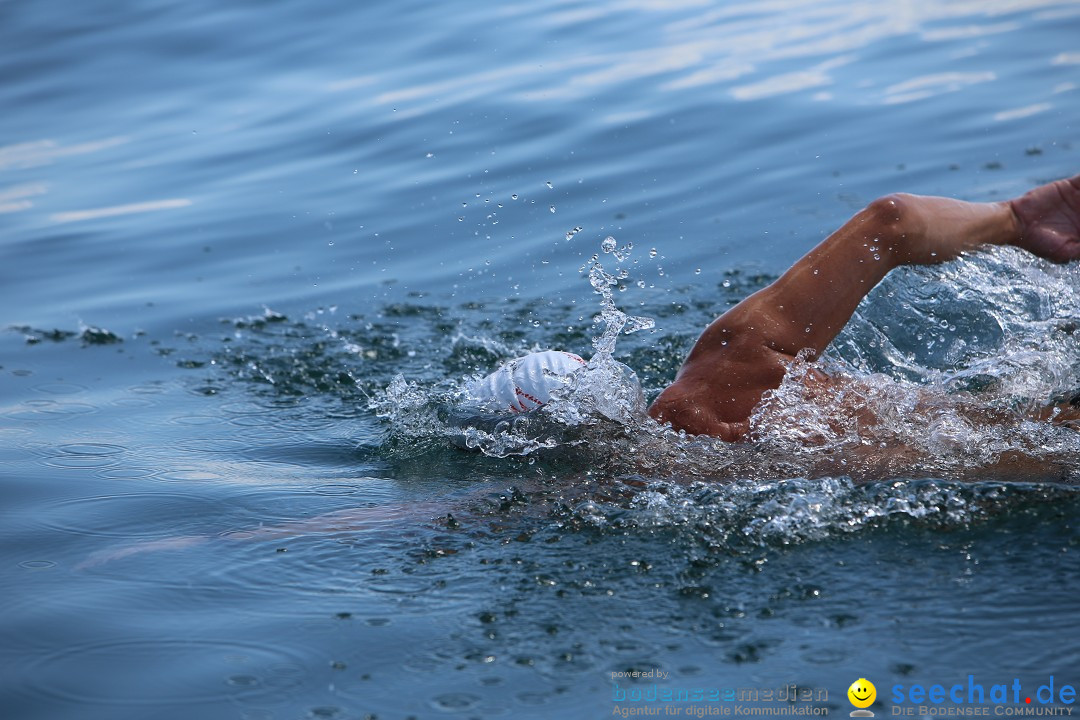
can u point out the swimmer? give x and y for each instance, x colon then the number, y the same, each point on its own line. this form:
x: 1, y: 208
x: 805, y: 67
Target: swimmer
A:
x: 746, y: 351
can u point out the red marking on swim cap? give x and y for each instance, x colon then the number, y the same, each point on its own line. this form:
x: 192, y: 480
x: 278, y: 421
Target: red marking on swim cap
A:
x: 527, y: 396
x: 572, y: 356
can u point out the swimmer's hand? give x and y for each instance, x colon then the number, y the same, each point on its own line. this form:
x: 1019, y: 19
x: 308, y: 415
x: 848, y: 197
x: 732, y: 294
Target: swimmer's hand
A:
x: 1048, y: 220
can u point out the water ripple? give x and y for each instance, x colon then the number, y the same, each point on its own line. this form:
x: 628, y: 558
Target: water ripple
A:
x: 128, y: 516
x: 167, y: 672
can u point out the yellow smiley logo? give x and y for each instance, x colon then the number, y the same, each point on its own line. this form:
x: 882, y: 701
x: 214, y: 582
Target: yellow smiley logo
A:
x: 862, y: 693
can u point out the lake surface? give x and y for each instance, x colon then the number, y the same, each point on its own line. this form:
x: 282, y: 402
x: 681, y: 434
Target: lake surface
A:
x: 251, y: 252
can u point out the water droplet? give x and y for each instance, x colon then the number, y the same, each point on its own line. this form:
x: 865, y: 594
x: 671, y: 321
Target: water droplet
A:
x: 652, y: 252
x: 552, y: 208
x: 806, y: 329
x: 608, y: 245
x: 514, y: 196
x: 641, y: 284
x: 460, y: 219
x: 430, y: 155
x: 552, y: 187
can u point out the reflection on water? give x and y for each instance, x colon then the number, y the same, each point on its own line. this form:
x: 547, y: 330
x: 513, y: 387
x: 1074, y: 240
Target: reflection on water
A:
x: 76, y: 215
x: 692, y: 48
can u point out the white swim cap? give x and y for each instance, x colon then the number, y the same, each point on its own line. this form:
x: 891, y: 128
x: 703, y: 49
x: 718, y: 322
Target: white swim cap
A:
x: 526, y: 383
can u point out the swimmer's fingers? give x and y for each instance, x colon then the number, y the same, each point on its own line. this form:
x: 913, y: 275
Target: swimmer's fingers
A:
x: 101, y: 557
x: 1048, y: 220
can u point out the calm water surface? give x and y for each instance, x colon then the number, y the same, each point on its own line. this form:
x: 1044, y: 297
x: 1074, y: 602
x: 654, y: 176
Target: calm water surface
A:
x: 226, y: 230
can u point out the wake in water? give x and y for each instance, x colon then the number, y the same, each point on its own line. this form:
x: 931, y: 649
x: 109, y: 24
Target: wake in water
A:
x: 951, y: 371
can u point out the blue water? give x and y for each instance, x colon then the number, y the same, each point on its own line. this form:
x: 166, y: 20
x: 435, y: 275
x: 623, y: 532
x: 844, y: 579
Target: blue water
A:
x: 226, y: 228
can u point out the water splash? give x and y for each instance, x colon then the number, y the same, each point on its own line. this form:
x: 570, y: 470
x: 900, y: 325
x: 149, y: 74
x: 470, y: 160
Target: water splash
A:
x: 941, y: 373
x: 603, y: 399
x: 998, y: 341
x: 614, y: 320
x: 741, y: 517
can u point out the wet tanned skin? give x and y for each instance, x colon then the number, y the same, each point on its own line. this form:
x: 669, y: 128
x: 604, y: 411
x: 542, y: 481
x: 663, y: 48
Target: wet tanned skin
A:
x: 746, y: 351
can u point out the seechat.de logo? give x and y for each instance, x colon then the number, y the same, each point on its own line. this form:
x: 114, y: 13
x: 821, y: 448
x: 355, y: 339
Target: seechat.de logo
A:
x: 862, y: 694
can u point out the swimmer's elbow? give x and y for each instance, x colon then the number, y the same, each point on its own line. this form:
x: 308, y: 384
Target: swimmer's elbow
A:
x: 891, y: 212
x: 894, y: 221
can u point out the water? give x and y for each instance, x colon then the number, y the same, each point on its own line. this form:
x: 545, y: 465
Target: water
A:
x: 251, y: 253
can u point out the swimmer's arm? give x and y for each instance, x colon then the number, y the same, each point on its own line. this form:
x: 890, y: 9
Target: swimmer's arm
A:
x: 746, y: 351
